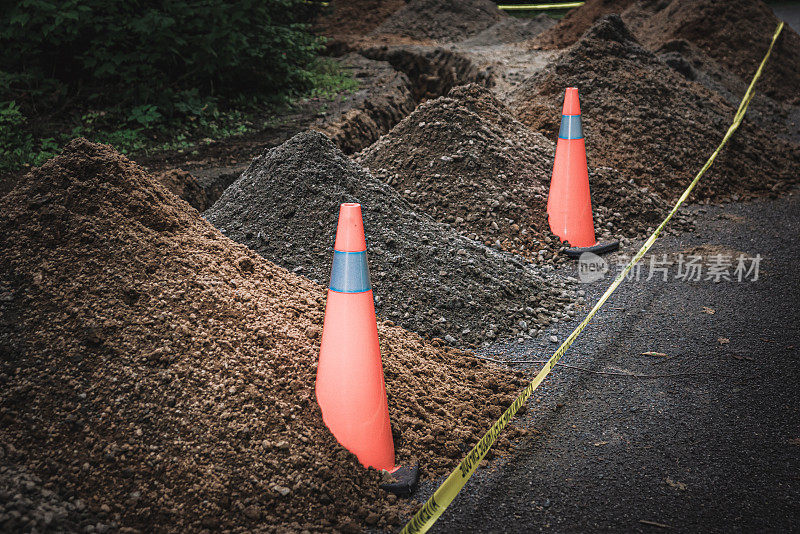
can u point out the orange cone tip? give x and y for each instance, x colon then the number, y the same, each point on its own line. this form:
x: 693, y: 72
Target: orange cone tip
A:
x: 572, y: 104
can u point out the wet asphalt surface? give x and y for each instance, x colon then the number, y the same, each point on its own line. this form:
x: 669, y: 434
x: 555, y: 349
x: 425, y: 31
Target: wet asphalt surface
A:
x: 713, y: 447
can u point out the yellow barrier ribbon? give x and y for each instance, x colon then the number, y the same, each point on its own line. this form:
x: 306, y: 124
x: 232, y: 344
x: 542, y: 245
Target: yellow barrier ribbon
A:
x: 534, y: 7
x: 444, y: 495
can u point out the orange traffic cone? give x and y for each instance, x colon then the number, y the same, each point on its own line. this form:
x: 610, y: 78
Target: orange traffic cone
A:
x: 569, y: 203
x: 350, y: 388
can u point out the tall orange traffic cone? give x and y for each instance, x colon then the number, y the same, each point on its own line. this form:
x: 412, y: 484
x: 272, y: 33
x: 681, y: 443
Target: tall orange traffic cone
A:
x: 350, y: 388
x: 569, y: 203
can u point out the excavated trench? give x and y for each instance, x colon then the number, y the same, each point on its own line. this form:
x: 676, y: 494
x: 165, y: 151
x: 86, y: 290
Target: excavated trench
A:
x: 393, y: 81
x: 406, y: 75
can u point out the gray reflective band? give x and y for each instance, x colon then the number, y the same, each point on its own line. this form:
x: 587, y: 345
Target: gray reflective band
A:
x: 570, y: 127
x: 350, y: 273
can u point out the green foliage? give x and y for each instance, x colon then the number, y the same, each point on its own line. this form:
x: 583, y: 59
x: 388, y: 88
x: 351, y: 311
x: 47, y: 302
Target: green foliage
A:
x: 17, y: 146
x: 159, y: 54
x: 143, y: 75
x: 329, y: 79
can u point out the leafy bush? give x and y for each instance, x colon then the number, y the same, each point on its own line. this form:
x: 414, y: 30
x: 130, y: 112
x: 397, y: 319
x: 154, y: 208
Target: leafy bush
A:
x: 155, y: 58
x: 17, y: 146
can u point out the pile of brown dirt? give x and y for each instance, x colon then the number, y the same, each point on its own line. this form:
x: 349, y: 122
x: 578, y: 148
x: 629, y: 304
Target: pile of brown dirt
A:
x: 441, y: 20
x: 465, y: 160
x: 577, y: 21
x: 346, y: 18
x: 658, y: 128
x: 510, y: 30
x: 735, y: 33
x: 426, y: 277
x: 164, y: 375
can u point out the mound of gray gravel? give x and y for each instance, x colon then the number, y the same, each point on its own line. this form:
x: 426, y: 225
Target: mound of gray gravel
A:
x: 425, y: 276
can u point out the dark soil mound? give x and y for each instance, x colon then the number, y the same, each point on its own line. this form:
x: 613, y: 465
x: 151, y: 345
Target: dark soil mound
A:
x: 441, y: 20
x: 658, y: 128
x: 577, y: 21
x: 164, y: 375
x: 346, y: 18
x: 511, y: 30
x: 736, y: 33
x: 425, y: 276
x: 464, y: 160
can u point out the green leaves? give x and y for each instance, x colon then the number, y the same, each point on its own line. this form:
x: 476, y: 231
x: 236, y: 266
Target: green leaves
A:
x: 141, y: 74
x: 143, y: 53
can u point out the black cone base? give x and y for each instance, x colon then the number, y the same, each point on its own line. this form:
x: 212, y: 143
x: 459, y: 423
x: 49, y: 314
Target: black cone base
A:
x: 405, y: 481
x: 600, y: 248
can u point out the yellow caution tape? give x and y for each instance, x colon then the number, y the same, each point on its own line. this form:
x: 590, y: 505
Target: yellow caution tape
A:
x: 533, y: 7
x: 521, y: 7
x: 444, y: 495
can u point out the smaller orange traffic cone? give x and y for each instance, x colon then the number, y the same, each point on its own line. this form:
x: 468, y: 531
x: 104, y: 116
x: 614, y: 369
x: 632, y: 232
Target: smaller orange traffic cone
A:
x: 569, y: 203
x: 350, y: 388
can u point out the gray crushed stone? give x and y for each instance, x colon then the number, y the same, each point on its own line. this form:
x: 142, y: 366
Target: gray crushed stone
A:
x: 426, y: 277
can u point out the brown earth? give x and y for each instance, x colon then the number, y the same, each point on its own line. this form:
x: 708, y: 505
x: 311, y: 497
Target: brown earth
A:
x: 465, y: 160
x: 441, y: 20
x: 654, y: 125
x: 184, y: 185
x: 344, y: 19
x: 577, y: 21
x: 735, y: 33
x: 164, y: 374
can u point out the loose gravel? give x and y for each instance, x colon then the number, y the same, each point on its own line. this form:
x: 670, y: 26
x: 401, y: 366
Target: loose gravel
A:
x: 426, y: 277
x: 466, y: 161
x: 163, y: 375
x: 654, y: 125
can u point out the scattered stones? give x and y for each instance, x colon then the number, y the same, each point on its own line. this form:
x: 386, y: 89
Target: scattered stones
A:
x: 124, y: 268
x: 285, y: 207
x: 652, y: 124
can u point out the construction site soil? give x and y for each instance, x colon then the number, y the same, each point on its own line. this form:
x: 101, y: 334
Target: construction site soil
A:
x: 426, y: 277
x: 464, y: 160
x: 441, y: 20
x: 156, y: 373
x: 735, y: 33
x: 651, y: 123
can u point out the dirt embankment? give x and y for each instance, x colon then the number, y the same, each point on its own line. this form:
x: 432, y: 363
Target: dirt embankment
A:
x: 650, y: 122
x: 441, y: 20
x: 394, y: 81
x: 734, y: 33
x: 163, y: 375
x: 466, y: 161
x: 426, y: 277
x: 373, y: 109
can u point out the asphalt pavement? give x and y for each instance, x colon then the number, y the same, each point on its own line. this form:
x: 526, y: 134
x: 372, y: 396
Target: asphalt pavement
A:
x: 708, y: 440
